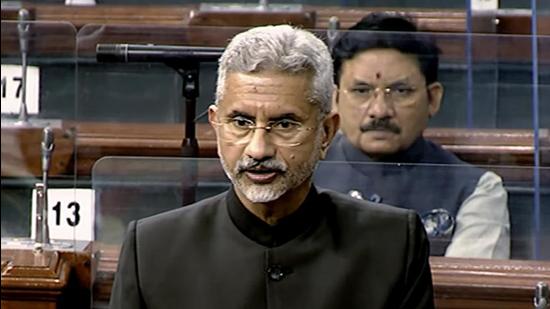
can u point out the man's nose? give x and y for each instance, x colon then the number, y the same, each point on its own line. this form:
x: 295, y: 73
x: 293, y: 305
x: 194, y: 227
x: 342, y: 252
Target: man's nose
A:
x: 260, y: 146
x: 379, y: 107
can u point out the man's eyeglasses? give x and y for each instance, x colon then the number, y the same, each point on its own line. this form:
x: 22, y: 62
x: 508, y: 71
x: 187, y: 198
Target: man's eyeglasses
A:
x: 399, y: 94
x: 239, y: 130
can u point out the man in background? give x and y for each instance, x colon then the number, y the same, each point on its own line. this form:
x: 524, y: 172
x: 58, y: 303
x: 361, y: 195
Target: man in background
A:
x: 387, y: 90
x: 273, y: 240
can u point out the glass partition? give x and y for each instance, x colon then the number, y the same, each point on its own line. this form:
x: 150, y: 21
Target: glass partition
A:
x: 152, y: 91
x: 38, y: 95
x: 487, y: 120
x: 130, y: 188
x: 487, y: 77
x: 444, y: 195
x: 486, y: 115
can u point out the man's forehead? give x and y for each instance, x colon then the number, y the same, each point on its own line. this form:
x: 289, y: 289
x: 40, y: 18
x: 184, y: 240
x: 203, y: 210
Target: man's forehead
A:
x: 267, y: 110
x: 380, y: 67
x: 380, y: 79
x: 266, y: 80
x: 385, y: 60
x: 269, y: 94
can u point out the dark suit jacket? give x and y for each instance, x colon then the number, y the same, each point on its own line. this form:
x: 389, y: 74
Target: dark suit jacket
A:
x: 354, y: 254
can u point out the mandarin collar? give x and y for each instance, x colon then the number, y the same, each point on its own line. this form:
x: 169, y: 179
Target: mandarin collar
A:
x: 288, y: 228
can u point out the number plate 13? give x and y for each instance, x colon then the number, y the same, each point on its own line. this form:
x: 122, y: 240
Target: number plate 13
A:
x: 70, y: 214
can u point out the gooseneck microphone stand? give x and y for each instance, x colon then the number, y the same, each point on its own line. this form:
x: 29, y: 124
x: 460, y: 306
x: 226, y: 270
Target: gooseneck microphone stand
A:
x: 189, y: 145
x: 23, y: 30
x: 185, y: 60
x: 332, y: 31
x: 42, y: 237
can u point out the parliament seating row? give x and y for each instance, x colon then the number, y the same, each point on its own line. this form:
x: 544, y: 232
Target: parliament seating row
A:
x: 448, y: 20
x: 84, y: 143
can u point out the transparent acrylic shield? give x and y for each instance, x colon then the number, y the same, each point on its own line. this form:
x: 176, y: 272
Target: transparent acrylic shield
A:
x: 38, y: 145
x: 131, y: 188
x: 439, y: 193
x: 487, y: 118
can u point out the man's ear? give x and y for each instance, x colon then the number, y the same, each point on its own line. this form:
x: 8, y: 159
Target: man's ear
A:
x: 335, y: 98
x: 212, y: 117
x: 330, y: 127
x: 435, y: 95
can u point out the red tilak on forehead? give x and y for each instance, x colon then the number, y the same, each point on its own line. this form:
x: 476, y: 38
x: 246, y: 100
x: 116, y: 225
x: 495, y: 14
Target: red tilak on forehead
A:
x: 378, y: 75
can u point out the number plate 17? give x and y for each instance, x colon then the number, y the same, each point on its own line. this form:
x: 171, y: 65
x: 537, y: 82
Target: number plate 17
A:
x: 12, y: 89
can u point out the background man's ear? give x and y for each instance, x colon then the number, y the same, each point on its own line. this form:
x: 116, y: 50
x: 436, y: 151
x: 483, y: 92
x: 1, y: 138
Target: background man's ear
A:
x: 330, y: 127
x: 435, y: 95
x: 335, y: 98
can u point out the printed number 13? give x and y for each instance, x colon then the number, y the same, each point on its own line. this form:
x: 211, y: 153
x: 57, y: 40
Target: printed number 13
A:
x: 70, y: 221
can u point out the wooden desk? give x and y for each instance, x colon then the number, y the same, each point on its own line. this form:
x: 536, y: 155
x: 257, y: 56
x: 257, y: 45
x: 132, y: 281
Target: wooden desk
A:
x: 47, y: 278
x: 44, y: 282
x: 481, y: 283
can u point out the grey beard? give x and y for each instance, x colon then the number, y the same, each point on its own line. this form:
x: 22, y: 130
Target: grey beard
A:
x: 288, y: 180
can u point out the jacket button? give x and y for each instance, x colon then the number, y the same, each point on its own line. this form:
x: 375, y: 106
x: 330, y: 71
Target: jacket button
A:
x: 275, y: 273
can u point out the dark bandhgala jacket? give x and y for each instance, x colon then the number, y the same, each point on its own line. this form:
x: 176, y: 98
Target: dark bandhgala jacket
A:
x: 424, y: 177
x: 333, y: 252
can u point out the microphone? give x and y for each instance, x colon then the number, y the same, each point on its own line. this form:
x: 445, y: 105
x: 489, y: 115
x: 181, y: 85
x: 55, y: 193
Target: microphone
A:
x: 23, y: 30
x: 156, y: 53
x: 42, y: 229
x: 185, y: 60
x: 332, y: 31
x: 542, y: 296
x: 47, y: 149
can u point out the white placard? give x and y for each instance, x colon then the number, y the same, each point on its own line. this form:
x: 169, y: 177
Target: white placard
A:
x: 479, y: 5
x: 12, y: 89
x: 70, y: 214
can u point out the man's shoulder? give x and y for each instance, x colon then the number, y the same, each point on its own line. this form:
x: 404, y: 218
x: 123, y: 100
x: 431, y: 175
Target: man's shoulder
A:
x: 196, y: 211
x: 373, y: 221
x: 335, y: 151
x: 437, y: 154
x: 364, y: 209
